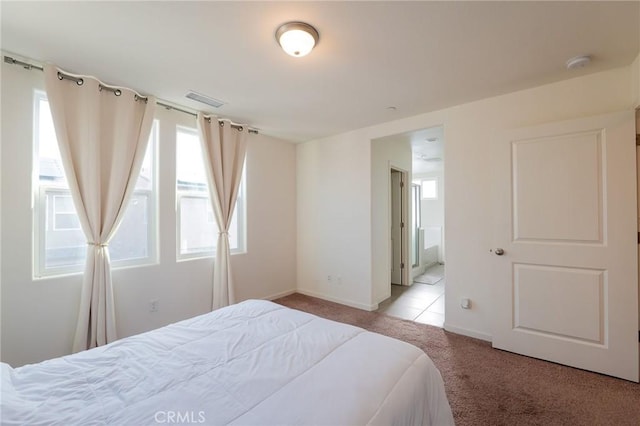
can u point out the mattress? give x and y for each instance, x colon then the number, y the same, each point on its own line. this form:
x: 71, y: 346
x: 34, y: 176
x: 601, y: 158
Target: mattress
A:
x: 254, y: 363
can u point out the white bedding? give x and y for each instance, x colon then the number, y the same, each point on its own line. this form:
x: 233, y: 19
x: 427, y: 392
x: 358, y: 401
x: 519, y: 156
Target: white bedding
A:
x: 254, y: 363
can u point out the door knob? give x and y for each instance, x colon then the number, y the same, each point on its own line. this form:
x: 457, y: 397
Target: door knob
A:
x: 499, y: 251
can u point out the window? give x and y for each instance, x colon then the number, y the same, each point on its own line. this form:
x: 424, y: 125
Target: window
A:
x: 64, y: 214
x: 196, y: 228
x: 60, y: 245
x: 430, y: 189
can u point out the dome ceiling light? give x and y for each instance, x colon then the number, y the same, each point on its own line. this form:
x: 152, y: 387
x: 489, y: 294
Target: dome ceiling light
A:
x: 297, y: 38
x: 578, y: 62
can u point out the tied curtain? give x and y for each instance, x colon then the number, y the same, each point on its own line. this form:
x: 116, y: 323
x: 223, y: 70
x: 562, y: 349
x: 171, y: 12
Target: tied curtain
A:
x: 102, y: 134
x: 224, y: 149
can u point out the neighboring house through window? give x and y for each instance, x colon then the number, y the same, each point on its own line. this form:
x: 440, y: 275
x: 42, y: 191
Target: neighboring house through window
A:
x: 60, y: 244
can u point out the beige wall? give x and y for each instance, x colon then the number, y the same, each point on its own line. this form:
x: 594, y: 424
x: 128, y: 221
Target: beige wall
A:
x: 635, y: 82
x: 334, y: 219
x: 635, y: 92
x: 470, y: 131
x: 38, y: 316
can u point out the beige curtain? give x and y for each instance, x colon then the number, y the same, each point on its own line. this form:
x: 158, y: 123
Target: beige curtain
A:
x: 224, y: 148
x: 102, y: 134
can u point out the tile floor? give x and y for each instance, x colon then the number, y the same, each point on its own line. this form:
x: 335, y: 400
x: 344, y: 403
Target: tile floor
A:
x: 419, y: 302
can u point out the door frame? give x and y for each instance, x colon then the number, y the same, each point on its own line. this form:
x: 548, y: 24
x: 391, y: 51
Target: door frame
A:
x: 637, y: 132
x: 404, y: 211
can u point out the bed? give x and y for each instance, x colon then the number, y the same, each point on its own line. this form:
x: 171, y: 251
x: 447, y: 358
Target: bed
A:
x: 254, y: 363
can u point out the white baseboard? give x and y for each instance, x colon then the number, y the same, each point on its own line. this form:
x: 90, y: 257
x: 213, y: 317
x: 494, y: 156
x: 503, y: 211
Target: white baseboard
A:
x: 279, y: 295
x: 419, y: 270
x: 429, y: 265
x: 466, y: 332
x: 338, y: 300
x: 450, y: 328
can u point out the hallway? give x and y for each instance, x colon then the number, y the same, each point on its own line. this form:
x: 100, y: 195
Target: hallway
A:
x: 423, y: 303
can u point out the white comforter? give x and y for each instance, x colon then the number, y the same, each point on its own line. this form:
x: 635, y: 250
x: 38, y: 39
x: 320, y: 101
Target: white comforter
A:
x: 255, y: 363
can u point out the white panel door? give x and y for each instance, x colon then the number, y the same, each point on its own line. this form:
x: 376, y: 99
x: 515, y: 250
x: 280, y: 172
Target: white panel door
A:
x: 566, y: 274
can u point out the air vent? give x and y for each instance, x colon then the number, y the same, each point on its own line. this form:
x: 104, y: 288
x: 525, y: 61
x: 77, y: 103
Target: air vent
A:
x: 424, y: 157
x: 204, y: 99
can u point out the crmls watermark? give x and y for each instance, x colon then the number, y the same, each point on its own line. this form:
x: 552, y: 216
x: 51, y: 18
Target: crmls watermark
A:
x: 179, y: 417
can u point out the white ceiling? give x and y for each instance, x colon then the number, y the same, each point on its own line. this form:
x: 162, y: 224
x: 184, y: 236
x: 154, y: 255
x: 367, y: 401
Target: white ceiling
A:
x: 415, y: 56
x: 427, y: 148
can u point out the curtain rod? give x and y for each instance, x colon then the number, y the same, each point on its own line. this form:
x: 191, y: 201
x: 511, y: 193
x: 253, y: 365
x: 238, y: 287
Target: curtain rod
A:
x: 27, y: 66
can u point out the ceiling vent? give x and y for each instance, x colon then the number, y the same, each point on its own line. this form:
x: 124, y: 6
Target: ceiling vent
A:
x: 424, y: 157
x: 204, y: 99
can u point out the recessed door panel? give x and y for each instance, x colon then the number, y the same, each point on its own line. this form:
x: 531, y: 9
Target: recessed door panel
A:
x: 557, y: 188
x: 572, y: 300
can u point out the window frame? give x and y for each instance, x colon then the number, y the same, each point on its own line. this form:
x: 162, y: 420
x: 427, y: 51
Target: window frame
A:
x: 197, y: 254
x: 56, y: 213
x: 40, y: 212
x: 41, y: 227
x: 152, y: 241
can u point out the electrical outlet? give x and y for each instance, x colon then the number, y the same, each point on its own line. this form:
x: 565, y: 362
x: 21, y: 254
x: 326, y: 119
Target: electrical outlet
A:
x: 330, y: 279
x: 153, y: 305
x: 465, y: 303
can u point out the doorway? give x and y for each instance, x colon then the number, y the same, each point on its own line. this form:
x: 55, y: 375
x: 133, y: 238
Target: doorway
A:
x: 422, y: 296
x: 398, y: 220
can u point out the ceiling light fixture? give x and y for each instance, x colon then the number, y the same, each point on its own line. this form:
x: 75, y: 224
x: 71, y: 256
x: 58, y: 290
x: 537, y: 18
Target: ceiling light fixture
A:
x: 578, y: 62
x: 297, y: 38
